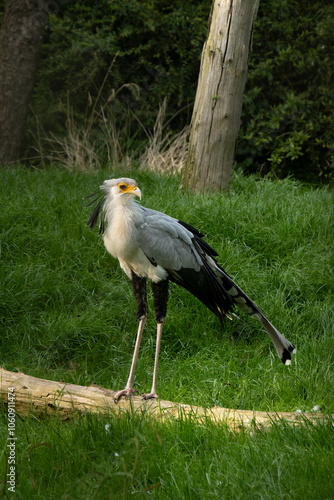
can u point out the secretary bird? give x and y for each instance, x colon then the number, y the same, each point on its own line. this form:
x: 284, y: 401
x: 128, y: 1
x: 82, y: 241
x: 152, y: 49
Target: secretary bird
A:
x: 153, y: 245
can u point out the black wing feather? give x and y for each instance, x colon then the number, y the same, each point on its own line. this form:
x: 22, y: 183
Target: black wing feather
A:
x: 198, y: 238
x: 204, y: 284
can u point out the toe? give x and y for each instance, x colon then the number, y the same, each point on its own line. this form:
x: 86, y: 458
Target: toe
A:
x: 151, y: 395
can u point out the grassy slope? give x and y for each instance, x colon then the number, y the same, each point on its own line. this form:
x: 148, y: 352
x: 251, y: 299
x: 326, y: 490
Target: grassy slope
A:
x: 67, y: 312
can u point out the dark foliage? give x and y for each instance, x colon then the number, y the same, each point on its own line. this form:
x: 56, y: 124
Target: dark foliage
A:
x: 288, y: 104
x: 156, y: 45
x: 289, y: 100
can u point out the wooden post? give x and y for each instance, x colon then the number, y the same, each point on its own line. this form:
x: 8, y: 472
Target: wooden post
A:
x: 216, y: 117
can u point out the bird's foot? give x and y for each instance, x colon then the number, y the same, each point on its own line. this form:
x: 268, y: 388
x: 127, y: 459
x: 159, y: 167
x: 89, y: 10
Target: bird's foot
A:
x: 125, y: 392
x: 151, y: 395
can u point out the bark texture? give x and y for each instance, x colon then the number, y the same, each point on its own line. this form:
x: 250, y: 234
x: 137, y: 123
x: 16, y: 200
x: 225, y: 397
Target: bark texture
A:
x: 37, y: 396
x: 216, y: 117
x: 20, y: 46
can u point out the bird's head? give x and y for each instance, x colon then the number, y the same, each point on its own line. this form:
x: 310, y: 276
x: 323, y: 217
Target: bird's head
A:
x: 121, y: 189
x: 113, y: 191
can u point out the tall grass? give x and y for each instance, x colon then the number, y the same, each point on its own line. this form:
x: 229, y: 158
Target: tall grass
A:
x: 98, y: 141
x: 92, y: 144
x: 67, y: 312
x: 165, y: 152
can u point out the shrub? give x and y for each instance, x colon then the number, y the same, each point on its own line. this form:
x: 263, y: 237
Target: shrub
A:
x: 289, y: 100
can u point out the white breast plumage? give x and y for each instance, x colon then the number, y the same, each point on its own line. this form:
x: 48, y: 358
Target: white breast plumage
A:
x: 121, y: 236
x: 121, y: 240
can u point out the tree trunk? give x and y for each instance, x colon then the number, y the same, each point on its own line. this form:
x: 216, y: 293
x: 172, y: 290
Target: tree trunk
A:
x: 26, y: 395
x: 20, y: 46
x: 216, y: 117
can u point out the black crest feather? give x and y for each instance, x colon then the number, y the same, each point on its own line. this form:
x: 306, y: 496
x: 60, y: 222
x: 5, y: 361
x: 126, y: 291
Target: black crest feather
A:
x: 92, y: 221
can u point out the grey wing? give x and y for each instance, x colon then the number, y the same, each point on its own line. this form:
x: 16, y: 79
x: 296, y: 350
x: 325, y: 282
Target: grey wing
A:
x: 167, y: 243
x: 179, y: 249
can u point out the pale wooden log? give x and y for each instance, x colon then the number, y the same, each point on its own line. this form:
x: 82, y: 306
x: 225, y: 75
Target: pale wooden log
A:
x: 35, y: 396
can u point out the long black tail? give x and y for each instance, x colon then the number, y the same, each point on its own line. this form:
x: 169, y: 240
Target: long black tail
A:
x: 216, y: 289
x: 283, y: 346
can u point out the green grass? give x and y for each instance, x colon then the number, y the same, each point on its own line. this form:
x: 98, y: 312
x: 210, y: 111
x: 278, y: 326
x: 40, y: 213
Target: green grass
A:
x: 67, y: 312
x: 134, y: 457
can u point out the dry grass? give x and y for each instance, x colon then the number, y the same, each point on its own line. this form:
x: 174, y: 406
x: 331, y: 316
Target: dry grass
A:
x: 165, y: 153
x: 76, y: 150
x: 82, y: 148
x: 98, y: 141
x: 90, y: 145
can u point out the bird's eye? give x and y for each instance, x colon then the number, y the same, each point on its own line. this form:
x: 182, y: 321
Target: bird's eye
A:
x: 122, y: 187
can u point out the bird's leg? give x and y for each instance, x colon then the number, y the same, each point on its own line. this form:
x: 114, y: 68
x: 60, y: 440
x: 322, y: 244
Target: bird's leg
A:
x: 153, y: 393
x: 128, y: 388
x: 160, y: 296
x: 139, y: 289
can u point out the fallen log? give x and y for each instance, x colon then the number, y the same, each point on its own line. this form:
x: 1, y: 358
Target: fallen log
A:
x: 31, y: 395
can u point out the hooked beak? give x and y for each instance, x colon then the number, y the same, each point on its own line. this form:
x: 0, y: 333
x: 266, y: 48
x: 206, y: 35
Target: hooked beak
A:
x: 137, y: 192
x: 133, y: 190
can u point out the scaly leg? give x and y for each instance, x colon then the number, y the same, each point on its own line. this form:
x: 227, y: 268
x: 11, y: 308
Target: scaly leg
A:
x: 160, y: 297
x: 128, y: 388
x: 153, y: 393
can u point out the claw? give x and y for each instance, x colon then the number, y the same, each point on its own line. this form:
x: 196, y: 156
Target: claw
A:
x: 125, y: 392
